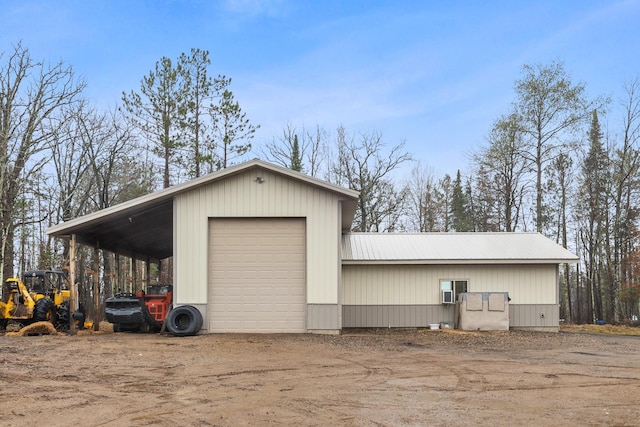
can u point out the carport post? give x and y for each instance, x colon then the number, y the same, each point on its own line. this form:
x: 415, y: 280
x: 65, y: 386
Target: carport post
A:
x: 147, y: 268
x: 134, y: 274
x: 96, y: 289
x: 118, y: 283
x: 72, y: 282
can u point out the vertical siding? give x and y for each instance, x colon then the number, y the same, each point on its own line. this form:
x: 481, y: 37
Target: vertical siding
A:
x: 323, y: 316
x: 242, y: 196
x: 534, y: 316
x: 526, y: 316
x: 395, y: 316
x: 420, y: 284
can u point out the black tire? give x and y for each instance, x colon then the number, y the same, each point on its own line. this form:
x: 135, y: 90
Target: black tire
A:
x: 79, y: 318
x: 152, y: 324
x: 117, y: 327
x: 144, y: 328
x: 184, y: 321
x: 63, y: 316
x: 45, y: 311
x: 198, y: 315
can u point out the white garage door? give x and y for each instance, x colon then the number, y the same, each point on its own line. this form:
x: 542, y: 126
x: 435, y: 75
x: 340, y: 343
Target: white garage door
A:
x: 257, y: 275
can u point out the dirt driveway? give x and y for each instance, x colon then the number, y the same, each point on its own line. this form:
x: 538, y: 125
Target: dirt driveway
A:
x: 360, y: 378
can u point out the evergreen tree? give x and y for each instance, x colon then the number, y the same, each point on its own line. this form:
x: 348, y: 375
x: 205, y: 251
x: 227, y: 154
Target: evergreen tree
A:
x: 231, y: 128
x: 296, y: 160
x: 158, y: 111
x: 460, y: 219
x: 594, y: 209
x: 198, y: 89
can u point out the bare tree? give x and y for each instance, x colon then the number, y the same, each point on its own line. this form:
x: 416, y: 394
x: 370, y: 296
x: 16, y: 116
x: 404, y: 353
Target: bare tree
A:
x: 561, y: 177
x: 507, y: 165
x: 422, y: 207
x: 366, y: 168
x: 118, y: 173
x: 625, y: 191
x: 486, y: 203
x: 548, y: 107
x: 69, y: 154
x: 444, y: 201
x: 280, y: 149
x: 315, y: 155
x: 32, y: 98
x: 312, y: 146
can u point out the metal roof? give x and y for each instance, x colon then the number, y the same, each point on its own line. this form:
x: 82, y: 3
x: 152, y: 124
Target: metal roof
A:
x: 452, y: 248
x: 144, y: 226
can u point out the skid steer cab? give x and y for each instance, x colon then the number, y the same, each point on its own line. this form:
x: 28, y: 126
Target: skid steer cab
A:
x: 44, y: 295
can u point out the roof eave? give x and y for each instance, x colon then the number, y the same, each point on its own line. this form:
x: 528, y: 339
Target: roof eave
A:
x: 458, y: 261
x: 67, y: 228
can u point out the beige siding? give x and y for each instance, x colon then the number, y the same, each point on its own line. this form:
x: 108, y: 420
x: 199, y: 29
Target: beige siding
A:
x: 241, y: 196
x: 416, y: 284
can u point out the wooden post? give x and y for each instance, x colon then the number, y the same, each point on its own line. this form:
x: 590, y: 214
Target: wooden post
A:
x: 118, y: 278
x: 134, y: 274
x: 96, y: 289
x: 72, y: 282
x: 147, y: 267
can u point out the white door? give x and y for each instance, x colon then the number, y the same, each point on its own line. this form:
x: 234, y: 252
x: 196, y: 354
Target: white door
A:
x: 257, y: 275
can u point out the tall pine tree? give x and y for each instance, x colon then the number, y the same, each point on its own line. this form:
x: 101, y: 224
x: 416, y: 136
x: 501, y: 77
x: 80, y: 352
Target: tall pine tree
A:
x: 460, y: 218
x: 296, y: 159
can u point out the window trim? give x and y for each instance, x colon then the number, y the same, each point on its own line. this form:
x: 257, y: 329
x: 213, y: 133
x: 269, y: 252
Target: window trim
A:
x: 452, y: 286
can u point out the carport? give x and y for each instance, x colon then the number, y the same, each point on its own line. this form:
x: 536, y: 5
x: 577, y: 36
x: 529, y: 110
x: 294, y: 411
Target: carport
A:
x: 141, y: 229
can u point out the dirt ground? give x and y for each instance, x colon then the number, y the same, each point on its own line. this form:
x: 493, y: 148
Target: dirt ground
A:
x: 359, y: 378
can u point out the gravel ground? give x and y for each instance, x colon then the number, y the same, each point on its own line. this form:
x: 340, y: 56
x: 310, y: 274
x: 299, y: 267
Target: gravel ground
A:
x: 359, y: 378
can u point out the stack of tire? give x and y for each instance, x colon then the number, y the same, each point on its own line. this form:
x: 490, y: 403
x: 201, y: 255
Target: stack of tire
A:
x: 184, y: 321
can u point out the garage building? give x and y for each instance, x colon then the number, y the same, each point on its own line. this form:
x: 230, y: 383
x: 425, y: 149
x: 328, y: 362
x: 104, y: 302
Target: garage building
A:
x: 261, y: 248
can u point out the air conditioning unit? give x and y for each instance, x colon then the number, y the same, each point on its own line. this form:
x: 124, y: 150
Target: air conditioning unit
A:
x: 448, y: 297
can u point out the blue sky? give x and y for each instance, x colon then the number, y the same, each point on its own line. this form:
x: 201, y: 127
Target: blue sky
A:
x: 434, y: 74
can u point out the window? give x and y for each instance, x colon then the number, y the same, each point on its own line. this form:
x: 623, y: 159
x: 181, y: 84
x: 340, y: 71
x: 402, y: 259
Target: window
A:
x: 457, y: 286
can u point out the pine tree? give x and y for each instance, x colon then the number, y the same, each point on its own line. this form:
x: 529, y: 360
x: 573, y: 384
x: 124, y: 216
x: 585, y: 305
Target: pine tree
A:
x: 158, y: 111
x: 231, y: 127
x: 296, y: 160
x: 594, y: 178
x: 460, y: 220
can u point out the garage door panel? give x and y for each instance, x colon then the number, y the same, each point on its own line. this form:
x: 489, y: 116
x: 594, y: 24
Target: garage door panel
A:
x: 257, y: 280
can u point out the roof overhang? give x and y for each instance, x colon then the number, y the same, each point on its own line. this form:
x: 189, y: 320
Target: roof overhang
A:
x: 138, y: 231
x: 458, y: 262
x: 143, y: 227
